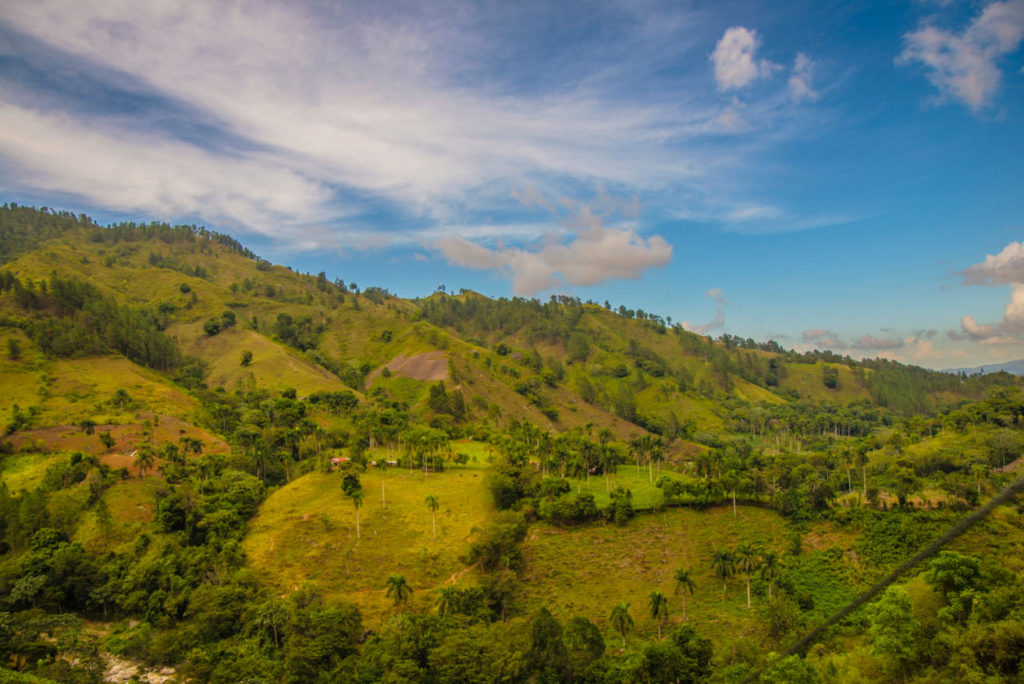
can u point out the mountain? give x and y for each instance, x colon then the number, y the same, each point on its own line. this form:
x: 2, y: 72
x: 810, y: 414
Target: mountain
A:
x: 1013, y: 367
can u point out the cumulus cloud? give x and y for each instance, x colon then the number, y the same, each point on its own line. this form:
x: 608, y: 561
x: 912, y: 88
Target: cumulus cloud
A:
x: 585, y: 253
x: 734, y: 61
x: 801, y: 78
x: 1000, y: 269
x: 826, y: 339
x: 718, y: 322
x: 963, y: 65
x: 1009, y: 330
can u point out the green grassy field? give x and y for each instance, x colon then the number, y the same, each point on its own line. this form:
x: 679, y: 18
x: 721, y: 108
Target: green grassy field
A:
x: 306, y: 531
x: 587, y: 571
x: 646, y: 495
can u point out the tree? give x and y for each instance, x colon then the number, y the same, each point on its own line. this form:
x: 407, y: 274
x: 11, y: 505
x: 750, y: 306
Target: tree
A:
x: 684, y: 582
x: 769, y: 569
x: 246, y: 358
x: 107, y: 440
x: 893, y: 627
x: 144, y: 459
x: 747, y: 555
x: 357, y: 503
x: 13, y: 348
x: 621, y: 620
x: 657, y: 603
x: 446, y: 599
x: 433, y: 505
x: 724, y: 565
x: 398, y: 589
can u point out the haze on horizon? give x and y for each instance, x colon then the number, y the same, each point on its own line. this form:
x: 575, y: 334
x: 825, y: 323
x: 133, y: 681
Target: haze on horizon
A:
x: 842, y: 176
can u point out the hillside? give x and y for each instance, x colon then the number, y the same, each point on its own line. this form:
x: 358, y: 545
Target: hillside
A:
x: 222, y: 466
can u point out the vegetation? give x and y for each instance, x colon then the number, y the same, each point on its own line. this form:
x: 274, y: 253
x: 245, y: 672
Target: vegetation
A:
x: 195, y: 439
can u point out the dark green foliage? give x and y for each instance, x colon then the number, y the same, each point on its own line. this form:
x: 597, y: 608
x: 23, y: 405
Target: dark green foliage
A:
x: 75, y: 319
x: 497, y: 546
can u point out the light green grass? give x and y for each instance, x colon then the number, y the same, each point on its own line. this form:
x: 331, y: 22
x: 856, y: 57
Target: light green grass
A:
x: 306, y: 531
x: 646, y: 495
x: 586, y: 571
x: 23, y: 472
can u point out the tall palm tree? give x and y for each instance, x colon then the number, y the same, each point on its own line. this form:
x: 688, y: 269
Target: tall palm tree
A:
x: 144, y: 459
x: 657, y: 603
x: 747, y: 555
x: 433, y: 505
x: 446, y: 600
x: 769, y: 569
x: 724, y: 565
x: 684, y: 582
x: 621, y: 620
x: 398, y: 589
x: 862, y: 461
x: 357, y: 503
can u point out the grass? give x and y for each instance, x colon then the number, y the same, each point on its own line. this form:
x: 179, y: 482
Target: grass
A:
x: 306, y: 531
x: 273, y: 365
x: 646, y: 495
x: 586, y: 571
x: 807, y: 379
x: 23, y: 472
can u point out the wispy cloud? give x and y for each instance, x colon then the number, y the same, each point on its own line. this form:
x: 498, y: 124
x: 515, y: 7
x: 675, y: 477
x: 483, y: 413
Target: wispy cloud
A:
x: 963, y: 66
x: 801, y: 79
x: 373, y: 109
x: 826, y: 339
x: 718, y: 322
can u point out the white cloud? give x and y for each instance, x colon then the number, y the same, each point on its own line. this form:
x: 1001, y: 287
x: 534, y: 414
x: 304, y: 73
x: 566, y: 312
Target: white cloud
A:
x: 734, y: 60
x: 963, y: 65
x: 1009, y: 330
x: 586, y: 253
x: 128, y: 172
x: 345, y: 100
x: 718, y: 322
x: 1000, y: 269
x: 801, y: 78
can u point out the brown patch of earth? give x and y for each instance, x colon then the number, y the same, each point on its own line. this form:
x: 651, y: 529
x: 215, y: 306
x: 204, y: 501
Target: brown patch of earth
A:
x: 428, y: 366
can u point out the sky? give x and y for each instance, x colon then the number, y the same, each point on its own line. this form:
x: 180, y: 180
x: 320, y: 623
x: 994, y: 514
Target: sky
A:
x: 832, y: 175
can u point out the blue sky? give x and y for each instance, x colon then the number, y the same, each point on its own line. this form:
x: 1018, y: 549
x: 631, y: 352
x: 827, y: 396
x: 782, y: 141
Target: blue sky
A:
x: 830, y: 174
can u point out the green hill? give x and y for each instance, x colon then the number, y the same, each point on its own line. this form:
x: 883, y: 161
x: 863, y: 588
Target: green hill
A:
x: 190, y: 432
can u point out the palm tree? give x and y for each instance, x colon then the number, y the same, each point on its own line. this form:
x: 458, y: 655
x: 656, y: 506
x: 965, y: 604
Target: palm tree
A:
x: 658, y: 605
x: 621, y: 620
x: 433, y: 504
x: 684, y: 582
x: 747, y: 555
x: 724, y: 565
x: 446, y: 600
x: 357, y: 503
x: 769, y: 569
x: 398, y: 589
x: 144, y: 459
x: 862, y: 461
x: 382, y: 465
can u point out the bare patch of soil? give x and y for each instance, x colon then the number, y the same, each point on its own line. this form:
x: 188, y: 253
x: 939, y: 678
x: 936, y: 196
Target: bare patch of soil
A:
x: 428, y: 366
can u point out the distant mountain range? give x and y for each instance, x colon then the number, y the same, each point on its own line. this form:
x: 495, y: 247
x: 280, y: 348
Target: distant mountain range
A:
x: 1015, y: 367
